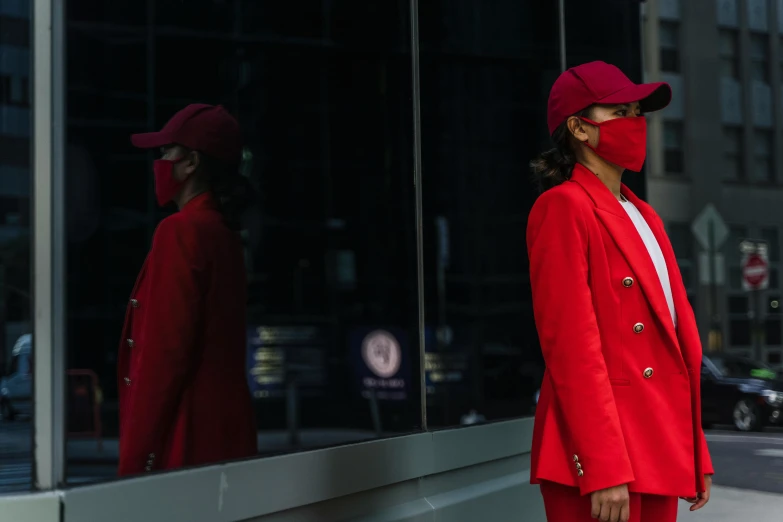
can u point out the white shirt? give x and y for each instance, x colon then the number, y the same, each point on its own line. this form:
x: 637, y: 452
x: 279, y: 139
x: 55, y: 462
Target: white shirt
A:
x: 654, y: 249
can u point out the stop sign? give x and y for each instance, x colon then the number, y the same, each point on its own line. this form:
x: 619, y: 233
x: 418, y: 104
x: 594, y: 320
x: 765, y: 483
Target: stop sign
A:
x: 755, y: 271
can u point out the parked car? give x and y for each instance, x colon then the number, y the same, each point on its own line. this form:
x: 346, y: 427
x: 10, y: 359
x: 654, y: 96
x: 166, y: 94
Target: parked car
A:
x: 739, y: 391
x: 16, y: 388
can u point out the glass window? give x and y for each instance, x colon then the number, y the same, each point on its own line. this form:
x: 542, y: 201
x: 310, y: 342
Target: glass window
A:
x: 763, y: 165
x: 781, y: 58
x: 16, y: 346
x: 729, y: 54
x: 733, y: 153
x: 323, y: 95
x: 674, y: 158
x: 478, y: 109
x: 738, y: 305
x: 770, y: 235
x: 759, y: 57
x: 773, y: 305
x: 772, y: 331
x: 735, y: 278
x: 682, y: 239
x: 669, y: 41
x: 739, y: 332
x: 737, y: 234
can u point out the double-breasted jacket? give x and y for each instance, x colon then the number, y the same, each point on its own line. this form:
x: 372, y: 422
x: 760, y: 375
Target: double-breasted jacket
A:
x: 184, y: 397
x: 620, y: 401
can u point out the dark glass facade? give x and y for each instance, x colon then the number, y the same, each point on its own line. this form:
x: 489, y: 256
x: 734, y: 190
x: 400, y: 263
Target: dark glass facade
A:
x: 325, y: 93
x: 16, y: 288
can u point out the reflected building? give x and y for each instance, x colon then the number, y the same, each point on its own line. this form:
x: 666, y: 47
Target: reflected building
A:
x: 15, y: 180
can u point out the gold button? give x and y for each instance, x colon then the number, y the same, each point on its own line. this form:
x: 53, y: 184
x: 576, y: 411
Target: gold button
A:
x: 578, y: 466
x: 648, y: 373
x: 131, y: 343
x: 148, y: 468
x: 152, y: 455
x: 580, y: 473
x: 576, y: 458
x: 638, y: 328
x: 628, y: 282
x: 134, y: 303
x: 127, y: 381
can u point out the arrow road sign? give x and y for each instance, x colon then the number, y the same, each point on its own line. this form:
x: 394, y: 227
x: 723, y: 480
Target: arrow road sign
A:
x: 709, y: 218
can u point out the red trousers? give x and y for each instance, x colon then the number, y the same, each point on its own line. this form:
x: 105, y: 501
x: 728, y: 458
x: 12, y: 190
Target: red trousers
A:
x: 565, y: 504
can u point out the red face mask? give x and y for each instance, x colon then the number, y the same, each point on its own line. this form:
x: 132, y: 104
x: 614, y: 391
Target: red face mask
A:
x: 166, y: 186
x: 622, y: 141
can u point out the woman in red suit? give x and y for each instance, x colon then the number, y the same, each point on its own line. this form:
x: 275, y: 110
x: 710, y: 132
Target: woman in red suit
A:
x: 184, y: 398
x: 618, y: 432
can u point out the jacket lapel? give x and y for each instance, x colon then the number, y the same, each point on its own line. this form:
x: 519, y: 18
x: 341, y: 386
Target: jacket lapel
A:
x: 614, y: 217
x: 686, y: 329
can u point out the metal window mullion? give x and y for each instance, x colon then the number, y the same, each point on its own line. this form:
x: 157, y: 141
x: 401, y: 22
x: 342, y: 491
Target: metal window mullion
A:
x: 417, y: 180
x: 562, y: 34
x: 48, y: 236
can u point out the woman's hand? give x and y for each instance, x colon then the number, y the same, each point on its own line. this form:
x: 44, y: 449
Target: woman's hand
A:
x: 701, y: 499
x: 611, y: 504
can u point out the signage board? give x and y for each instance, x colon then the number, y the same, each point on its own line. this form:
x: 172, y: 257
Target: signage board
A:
x: 277, y: 355
x: 381, y: 362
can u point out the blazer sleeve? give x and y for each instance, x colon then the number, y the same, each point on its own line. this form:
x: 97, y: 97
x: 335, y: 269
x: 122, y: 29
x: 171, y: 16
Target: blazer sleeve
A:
x: 167, y: 346
x: 706, y: 460
x: 558, y: 243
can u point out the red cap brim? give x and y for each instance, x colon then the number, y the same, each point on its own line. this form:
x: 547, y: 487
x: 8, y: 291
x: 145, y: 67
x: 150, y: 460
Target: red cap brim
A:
x: 151, y: 140
x: 651, y: 96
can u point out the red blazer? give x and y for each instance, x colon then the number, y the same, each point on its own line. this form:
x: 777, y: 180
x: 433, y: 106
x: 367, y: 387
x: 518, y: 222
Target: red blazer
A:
x: 184, y: 398
x: 620, y: 402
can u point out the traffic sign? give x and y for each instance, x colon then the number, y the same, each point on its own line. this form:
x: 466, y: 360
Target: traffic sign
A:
x: 710, y: 223
x: 755, y: 266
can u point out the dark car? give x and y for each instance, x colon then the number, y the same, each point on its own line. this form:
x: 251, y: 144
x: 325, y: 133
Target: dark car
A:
x: 740, y: 391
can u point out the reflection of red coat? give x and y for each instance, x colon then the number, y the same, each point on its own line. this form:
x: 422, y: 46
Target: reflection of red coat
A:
x: 184, y: 398
x: 620, y: 402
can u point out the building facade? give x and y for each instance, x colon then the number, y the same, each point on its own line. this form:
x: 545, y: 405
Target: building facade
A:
x: 719, y: 144
x: 388, y: 145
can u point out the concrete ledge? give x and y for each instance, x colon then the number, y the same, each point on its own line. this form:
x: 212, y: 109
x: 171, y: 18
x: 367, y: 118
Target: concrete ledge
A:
x: 250, y: 489
x: 33, y: 507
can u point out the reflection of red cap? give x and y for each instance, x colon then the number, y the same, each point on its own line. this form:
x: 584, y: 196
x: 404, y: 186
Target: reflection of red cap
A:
x: 598, y: 82
x: 206, y: 128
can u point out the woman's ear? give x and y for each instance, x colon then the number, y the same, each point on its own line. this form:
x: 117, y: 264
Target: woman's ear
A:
x: 576, y: 127
x: 192, y: 163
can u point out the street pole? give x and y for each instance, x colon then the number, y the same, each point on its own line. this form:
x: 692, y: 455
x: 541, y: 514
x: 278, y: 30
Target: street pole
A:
x: 757, y: 326
x: 714, y: 324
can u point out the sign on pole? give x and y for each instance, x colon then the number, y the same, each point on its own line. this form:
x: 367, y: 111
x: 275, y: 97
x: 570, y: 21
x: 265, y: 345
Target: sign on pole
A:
x: 755, y: 265
x: 710, y: 223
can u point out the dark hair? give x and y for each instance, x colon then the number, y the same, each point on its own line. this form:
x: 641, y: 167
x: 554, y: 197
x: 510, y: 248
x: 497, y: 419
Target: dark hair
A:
x: 554, y: 166
x: 233, y: 191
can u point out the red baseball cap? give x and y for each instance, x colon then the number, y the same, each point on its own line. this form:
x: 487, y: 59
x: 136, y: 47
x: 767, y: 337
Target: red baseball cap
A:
x: 206, y: 128
x: 599, y: 82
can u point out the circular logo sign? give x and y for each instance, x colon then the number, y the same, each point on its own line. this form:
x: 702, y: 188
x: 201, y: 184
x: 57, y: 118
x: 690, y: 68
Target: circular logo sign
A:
x: 381, y: 353
x: 756, y: 270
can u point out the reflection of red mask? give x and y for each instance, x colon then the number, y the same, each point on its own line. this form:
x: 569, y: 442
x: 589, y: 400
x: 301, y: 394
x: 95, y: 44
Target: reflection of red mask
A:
x: 166, y: 187
x: 622, y: 141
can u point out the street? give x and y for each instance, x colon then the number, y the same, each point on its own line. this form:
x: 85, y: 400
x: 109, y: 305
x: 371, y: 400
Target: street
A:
x: 748, y: 461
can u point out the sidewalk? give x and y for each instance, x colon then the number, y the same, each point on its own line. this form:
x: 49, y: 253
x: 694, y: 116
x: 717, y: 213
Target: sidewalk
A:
x: 736, y: 505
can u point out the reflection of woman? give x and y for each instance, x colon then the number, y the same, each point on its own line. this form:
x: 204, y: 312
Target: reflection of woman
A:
x: 184, y: 398
x: 618, y: 425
